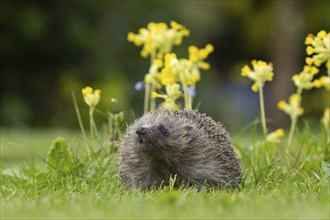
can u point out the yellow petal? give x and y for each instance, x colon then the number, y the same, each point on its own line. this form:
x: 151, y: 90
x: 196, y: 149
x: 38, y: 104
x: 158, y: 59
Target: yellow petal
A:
x: 245, y: 70
x: 322, y: 34
x: 309, y: 61
x: 309, y: 39
x: 281, y: 105
x: 154, y: 95
x: 317, y: 62
x: 309, y: 50
x: 279, y: 132
x: 255, y: 87
x: 87, y: 90
x: 317, y: 83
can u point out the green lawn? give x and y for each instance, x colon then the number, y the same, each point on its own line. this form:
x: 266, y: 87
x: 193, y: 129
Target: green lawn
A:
x: 271, y: 190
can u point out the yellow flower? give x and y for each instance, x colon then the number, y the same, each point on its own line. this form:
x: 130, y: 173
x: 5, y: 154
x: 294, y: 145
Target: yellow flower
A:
x: 295, y: 99
x: 293, y: 107
x: 204, y: 66
x: 151, y: 77
x: 173, y: 91
x: 158, y: 38
x: 309, y: 50
x: 255, y: 87
x: 309, y: 61
x: 309, y: 39
x: 172, y: 94
x: 261, y: 73
x: 157, y: 95
x: 282, y: 105
x: 166, y: 77
x: 158, y: 62
x: 91, y: 97
x: 169, y: 104
x: 275, y: 137
x: 319, y: 47
x: 317, y: 83
x: 198, y: 55
x: 245, y: 70
x: 325, y: 82
x: 303, y: 80
x: 322, y: 34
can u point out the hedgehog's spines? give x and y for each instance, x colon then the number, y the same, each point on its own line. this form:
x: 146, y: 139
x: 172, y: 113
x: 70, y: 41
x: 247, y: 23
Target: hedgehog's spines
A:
x: 208, y: 155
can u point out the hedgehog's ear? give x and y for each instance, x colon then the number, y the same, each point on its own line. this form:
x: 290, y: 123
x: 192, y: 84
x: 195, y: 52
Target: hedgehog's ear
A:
x: 188, y: 132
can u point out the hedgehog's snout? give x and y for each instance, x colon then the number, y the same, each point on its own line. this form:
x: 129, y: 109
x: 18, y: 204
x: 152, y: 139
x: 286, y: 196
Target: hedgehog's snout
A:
x: 141, y: 131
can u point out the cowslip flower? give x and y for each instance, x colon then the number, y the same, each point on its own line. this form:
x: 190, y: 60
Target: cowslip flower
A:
x: 91, y: 97
x: 304, y: 80
x: 319, y: 47
x: 158, y: 38
x: 275, y: 137
x: 323, y: 81
x: 172, y: 94
x: 197, y: 56
x: 151, y: 77
x: 293, y: 107
x: 260, y: 73
x: 168, y: 75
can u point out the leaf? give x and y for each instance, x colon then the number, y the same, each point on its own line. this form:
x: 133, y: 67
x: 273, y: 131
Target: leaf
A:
x: 60, y: 156
x: 326, y: 169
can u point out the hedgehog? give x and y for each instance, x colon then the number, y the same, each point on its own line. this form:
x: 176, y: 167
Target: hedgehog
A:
x: 184, y: 144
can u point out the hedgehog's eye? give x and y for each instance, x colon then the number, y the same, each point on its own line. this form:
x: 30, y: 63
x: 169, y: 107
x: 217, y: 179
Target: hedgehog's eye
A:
x: 164, y: 131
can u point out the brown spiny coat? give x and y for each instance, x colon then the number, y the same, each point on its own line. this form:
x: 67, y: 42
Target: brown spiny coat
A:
x: 184, y: 143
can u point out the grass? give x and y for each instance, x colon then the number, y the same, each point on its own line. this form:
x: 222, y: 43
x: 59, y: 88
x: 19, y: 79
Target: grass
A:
x: 275, y: 186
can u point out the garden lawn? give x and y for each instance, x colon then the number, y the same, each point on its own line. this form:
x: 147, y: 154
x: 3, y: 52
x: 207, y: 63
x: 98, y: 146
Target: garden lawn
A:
x: 30, y: 191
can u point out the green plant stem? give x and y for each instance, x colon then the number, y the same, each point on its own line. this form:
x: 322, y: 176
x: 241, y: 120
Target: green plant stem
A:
x: 294, y: 120
x: 152, y: 87
x: 95, y: 129
x: 187, y: 103
x: 78, y: 115
x: 91, y: 121
x: 146, y: 98
x: 292, y: 128
x: 152, y: 100
x: 262, y: 109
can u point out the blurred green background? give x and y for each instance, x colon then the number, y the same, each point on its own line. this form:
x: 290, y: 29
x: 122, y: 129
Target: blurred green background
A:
x: 50, y: 48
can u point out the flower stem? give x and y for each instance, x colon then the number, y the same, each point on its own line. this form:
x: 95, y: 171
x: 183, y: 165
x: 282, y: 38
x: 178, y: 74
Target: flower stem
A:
x: 146, y: 98
x: 186, y: 97
x: 187, y: 102
x: 152, y: 100
x: 262, y: 109
x: 292, y: 128
x: 294, y: 120
x: 91, y: 109
x: 78, y: 115
x: 152, y: 87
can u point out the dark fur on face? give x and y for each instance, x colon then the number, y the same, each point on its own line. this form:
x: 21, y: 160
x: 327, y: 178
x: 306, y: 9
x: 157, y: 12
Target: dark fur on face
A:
x: 184, y: 143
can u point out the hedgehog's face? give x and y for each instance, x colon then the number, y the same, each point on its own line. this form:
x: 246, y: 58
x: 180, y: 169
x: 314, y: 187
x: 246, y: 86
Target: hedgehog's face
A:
x: 167, y: 136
